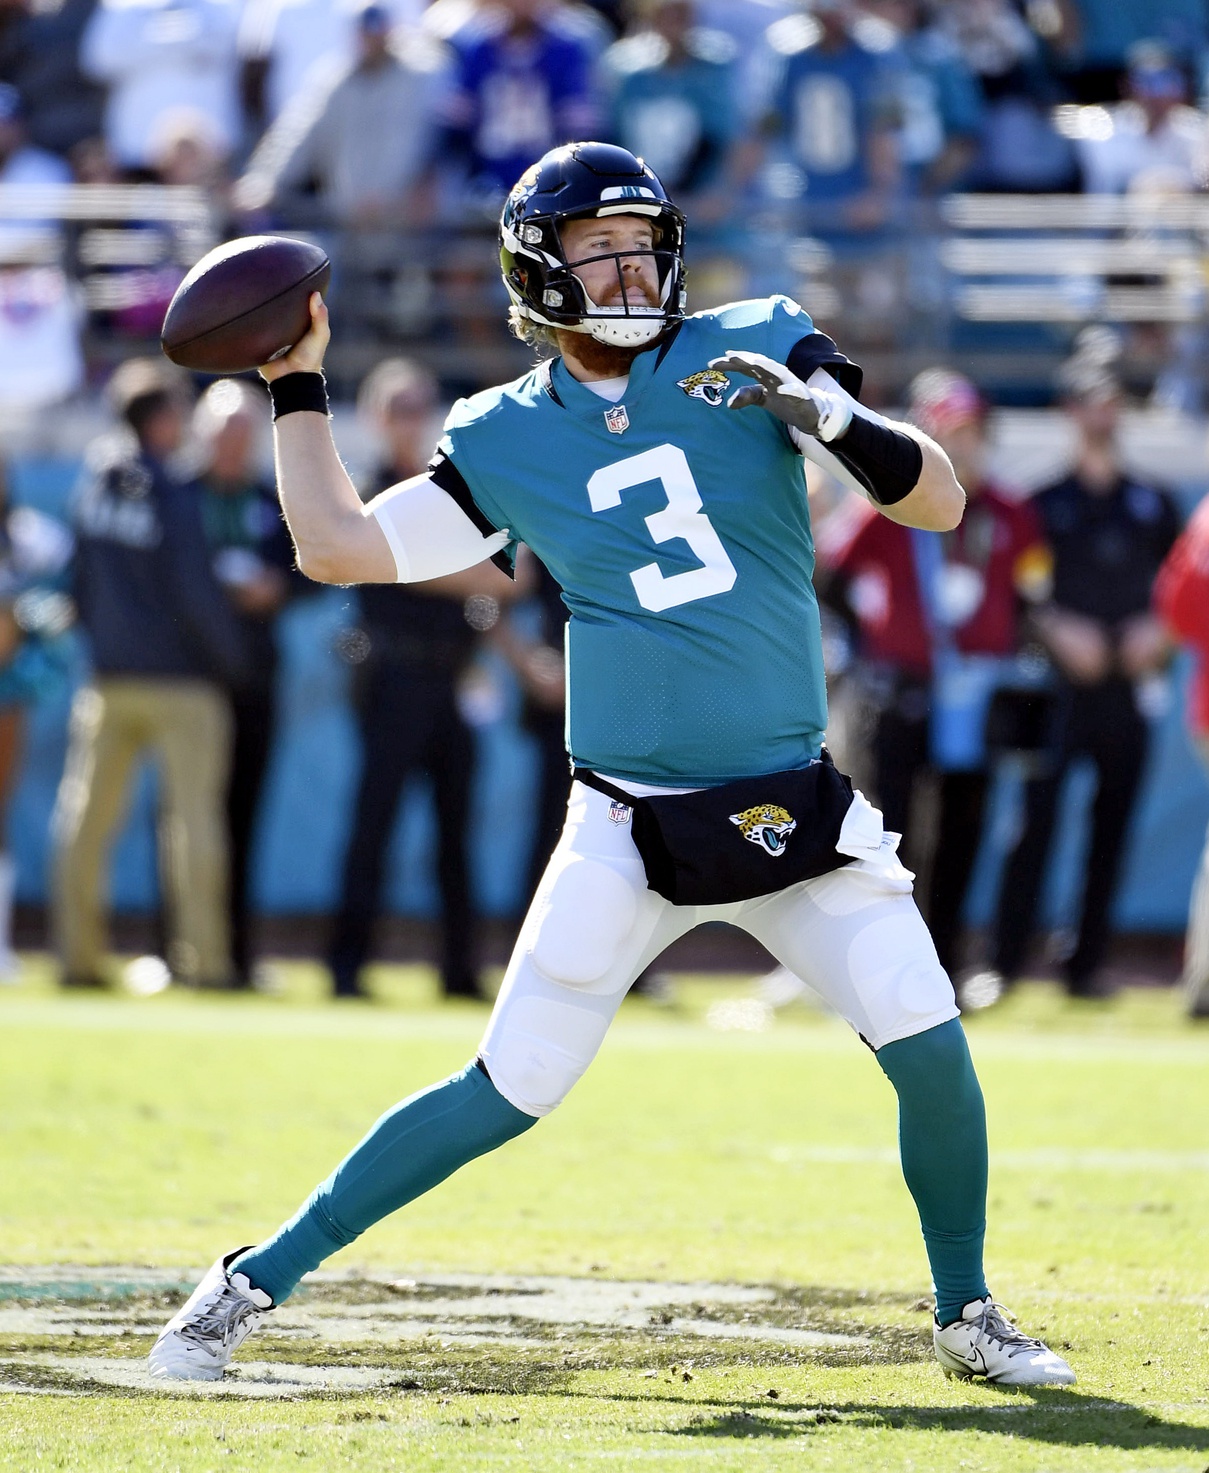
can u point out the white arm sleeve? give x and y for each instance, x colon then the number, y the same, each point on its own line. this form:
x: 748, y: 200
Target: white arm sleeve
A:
x: 429, y: 533
x: 815, y: 450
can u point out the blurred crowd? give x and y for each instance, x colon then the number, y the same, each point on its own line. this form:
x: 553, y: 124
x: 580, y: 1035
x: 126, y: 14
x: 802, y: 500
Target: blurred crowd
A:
x: 795, y: 132
x: 854, y: 102
x: 813, y: 144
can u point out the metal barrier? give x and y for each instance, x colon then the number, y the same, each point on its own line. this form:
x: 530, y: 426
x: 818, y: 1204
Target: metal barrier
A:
x: 953, y: 285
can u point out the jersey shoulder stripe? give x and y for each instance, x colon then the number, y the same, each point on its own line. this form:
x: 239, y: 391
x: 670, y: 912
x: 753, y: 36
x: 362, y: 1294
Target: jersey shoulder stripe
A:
x: 446, y: 475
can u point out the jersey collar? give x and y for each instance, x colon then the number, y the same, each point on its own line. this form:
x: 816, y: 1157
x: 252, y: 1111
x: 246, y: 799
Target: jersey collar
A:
x: 565, y: 389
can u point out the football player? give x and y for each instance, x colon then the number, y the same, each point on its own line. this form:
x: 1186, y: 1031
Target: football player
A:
x: 654, y: 464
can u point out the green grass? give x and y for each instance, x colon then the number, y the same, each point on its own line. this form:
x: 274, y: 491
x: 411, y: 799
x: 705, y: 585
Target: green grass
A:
x: 157, y: 1132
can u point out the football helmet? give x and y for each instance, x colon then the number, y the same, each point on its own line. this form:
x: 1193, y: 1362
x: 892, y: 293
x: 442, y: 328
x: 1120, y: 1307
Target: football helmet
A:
x: 584, y: 181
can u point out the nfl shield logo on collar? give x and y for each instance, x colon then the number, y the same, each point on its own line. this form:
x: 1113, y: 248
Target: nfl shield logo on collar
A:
x: 617, y: 419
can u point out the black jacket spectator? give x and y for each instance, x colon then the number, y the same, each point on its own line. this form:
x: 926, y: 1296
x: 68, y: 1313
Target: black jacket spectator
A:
x: 146, y: 595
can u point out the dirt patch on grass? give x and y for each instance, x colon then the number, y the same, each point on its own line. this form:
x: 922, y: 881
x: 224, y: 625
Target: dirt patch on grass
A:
x: 75, y: 1332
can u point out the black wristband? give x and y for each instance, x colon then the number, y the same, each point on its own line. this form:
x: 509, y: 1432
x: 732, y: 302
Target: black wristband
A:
x: 885, y: 461
x: 294, y: 391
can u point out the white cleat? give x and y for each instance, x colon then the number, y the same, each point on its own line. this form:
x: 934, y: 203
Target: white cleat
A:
x: 201, y: 1337
x: 985, y: 1342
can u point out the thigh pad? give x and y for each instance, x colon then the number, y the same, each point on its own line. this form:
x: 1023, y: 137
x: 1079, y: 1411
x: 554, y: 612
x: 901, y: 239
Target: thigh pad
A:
x: 585, y: 918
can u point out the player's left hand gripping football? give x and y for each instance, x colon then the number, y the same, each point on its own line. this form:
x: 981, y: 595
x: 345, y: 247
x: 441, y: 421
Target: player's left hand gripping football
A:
x: 306, y: 356
x: 816, y: 412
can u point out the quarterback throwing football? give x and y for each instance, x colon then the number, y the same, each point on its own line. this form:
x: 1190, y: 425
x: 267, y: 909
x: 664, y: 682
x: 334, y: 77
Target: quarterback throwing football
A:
x: 654, y: 464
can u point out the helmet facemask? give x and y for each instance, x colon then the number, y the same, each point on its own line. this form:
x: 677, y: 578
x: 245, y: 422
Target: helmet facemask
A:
x: 564, y: 300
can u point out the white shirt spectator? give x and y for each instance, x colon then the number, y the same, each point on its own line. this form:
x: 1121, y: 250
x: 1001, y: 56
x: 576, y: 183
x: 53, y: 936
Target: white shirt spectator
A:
x: 40, y: 358
x: 1118, y: 155
x: 157, y: 55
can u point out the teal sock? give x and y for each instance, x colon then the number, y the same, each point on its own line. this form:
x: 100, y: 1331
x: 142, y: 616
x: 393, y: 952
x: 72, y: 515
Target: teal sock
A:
x: 410, y: 1149
x: 943, y: 1142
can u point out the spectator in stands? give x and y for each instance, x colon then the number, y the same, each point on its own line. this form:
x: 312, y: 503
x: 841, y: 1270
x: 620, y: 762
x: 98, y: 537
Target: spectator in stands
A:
x: 252, y: 558
x: 287, y: 47
x: 1096, y: 37
x: 186, y: 152
x: 165, y: 646
x: 1153, y: 142
x: 158, y: 56
x: 523, y: 83
x: 1182, y: 601
x: 833, y: 106
x: 418, y: 643
x: 1109, y: 533
x: 938, y: 617
x: 22, y: 162
x: 41, y: 359
x: 1020, y: 150
x: 592, y: 25
x: 41, y: 362
x: 26, y: 241
x: 34, y: 615
x: 40, y: 56
x: 672, y: 102
x: 362, y: 139
x: 940, y: 107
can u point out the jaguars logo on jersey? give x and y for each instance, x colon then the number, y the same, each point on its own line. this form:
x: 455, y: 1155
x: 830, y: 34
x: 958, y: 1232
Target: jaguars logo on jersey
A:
x: 709, y: 384
x: 767, y: 825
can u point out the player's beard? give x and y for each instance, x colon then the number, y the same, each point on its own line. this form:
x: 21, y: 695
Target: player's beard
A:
x: 601, y: 359
x: 606, y: 360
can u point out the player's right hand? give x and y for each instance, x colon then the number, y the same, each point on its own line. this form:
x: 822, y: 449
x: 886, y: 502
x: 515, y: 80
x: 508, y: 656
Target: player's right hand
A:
x: 306, y: 356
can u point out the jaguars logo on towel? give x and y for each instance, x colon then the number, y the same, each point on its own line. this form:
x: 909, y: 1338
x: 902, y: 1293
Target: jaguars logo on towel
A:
x: 766, y: 825
x: 709, y: 385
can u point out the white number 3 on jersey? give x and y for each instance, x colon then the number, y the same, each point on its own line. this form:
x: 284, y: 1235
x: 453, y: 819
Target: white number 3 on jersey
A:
x: 681, y: 517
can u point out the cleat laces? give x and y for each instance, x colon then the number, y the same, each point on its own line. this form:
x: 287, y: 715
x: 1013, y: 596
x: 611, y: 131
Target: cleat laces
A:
x: 221, y: 1321
x: 995, y: 1323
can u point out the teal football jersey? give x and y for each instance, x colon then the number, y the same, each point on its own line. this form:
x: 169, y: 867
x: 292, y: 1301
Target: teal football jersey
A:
x: 679, y: 532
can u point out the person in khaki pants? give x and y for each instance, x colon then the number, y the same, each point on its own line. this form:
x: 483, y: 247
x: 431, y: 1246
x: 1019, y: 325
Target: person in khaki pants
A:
x: 165, y: 648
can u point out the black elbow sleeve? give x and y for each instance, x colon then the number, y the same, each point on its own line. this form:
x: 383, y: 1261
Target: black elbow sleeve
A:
x: 886, y: 462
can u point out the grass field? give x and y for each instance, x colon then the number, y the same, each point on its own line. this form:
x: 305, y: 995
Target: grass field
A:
x: 721, y: 1268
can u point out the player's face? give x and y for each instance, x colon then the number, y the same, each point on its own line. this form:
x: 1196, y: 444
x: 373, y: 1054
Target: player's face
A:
x: 618, y: 279
x: 1098, y: 415
x: 232, y: 449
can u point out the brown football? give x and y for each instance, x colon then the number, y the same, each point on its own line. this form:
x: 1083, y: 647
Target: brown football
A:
x: 244, y: 304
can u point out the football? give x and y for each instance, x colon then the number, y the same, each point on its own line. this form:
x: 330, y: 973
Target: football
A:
x: 244, y: 304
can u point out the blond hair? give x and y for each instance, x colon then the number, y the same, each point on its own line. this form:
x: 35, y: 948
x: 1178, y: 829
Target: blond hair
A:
x: 535, y: 334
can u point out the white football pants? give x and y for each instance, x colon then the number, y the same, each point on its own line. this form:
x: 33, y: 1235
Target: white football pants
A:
x: 854, y: 935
